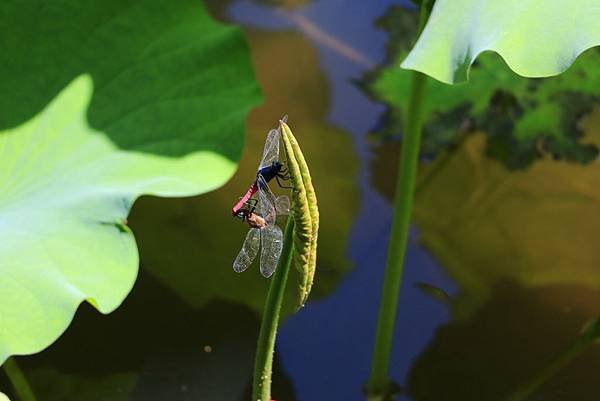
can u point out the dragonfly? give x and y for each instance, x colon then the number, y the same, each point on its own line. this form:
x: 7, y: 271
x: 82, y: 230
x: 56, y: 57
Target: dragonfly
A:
x: 261, y: 213
x: 270, y: 167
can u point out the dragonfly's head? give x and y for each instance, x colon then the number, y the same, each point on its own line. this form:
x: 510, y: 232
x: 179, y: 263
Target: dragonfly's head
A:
x: 277, y: 166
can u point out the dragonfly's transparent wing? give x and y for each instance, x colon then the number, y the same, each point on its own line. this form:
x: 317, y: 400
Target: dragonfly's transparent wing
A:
x: 282, y: 205
x: 266, y: 201
x: 248, y: 251
x: 271, y: 238
x: 271, y: 152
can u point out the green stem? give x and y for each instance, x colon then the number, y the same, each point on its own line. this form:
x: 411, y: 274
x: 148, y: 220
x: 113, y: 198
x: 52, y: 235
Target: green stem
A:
x: 263, y: 365
x: 403, y: 203
x: 561, y: 360
x: 379, y: 385
x: 22, y: 388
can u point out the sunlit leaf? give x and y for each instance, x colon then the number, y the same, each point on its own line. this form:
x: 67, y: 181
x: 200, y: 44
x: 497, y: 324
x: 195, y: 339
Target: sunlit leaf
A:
x: 535, y: 38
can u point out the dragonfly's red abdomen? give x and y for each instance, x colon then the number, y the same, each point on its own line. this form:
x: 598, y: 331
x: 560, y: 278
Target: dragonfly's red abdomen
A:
x: 238, y: 206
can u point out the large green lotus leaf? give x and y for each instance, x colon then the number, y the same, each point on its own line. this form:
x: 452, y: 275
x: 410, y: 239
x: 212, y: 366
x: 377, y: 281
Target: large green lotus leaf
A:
x: 537, y: 227
x: 523, y: 118
x: 66, y: 191
x: 171, y: 89
x: 536, y: 38
x: 201, y: 234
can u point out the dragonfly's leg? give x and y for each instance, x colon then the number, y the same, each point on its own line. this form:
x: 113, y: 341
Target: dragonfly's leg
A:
x: 284, y: 167
x: 251, y: 203
x: 254, y: 204
x: 283, y: 178
x: 284, y: 170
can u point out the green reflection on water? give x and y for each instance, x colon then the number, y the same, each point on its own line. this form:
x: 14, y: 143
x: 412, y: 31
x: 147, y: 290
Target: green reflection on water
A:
x: 522, y: 247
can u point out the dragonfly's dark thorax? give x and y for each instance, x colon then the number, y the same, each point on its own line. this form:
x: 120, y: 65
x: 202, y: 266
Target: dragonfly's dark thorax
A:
x: 271, y: 171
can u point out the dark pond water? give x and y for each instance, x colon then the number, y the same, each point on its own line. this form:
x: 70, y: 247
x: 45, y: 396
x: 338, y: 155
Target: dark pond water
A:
x: 188, y: 329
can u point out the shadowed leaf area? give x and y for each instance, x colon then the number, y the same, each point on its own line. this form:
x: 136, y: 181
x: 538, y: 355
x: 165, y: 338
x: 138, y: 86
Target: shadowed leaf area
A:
x: 167, y: 78
x: 523, y: 119
x: 200, y: 234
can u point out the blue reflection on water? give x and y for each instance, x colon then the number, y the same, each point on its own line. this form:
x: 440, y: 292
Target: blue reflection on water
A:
x: 326, y: 348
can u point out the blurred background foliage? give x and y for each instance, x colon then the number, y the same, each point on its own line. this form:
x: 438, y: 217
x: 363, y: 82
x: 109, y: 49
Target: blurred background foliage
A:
x: 536, y: 227
x: 523, y: 119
